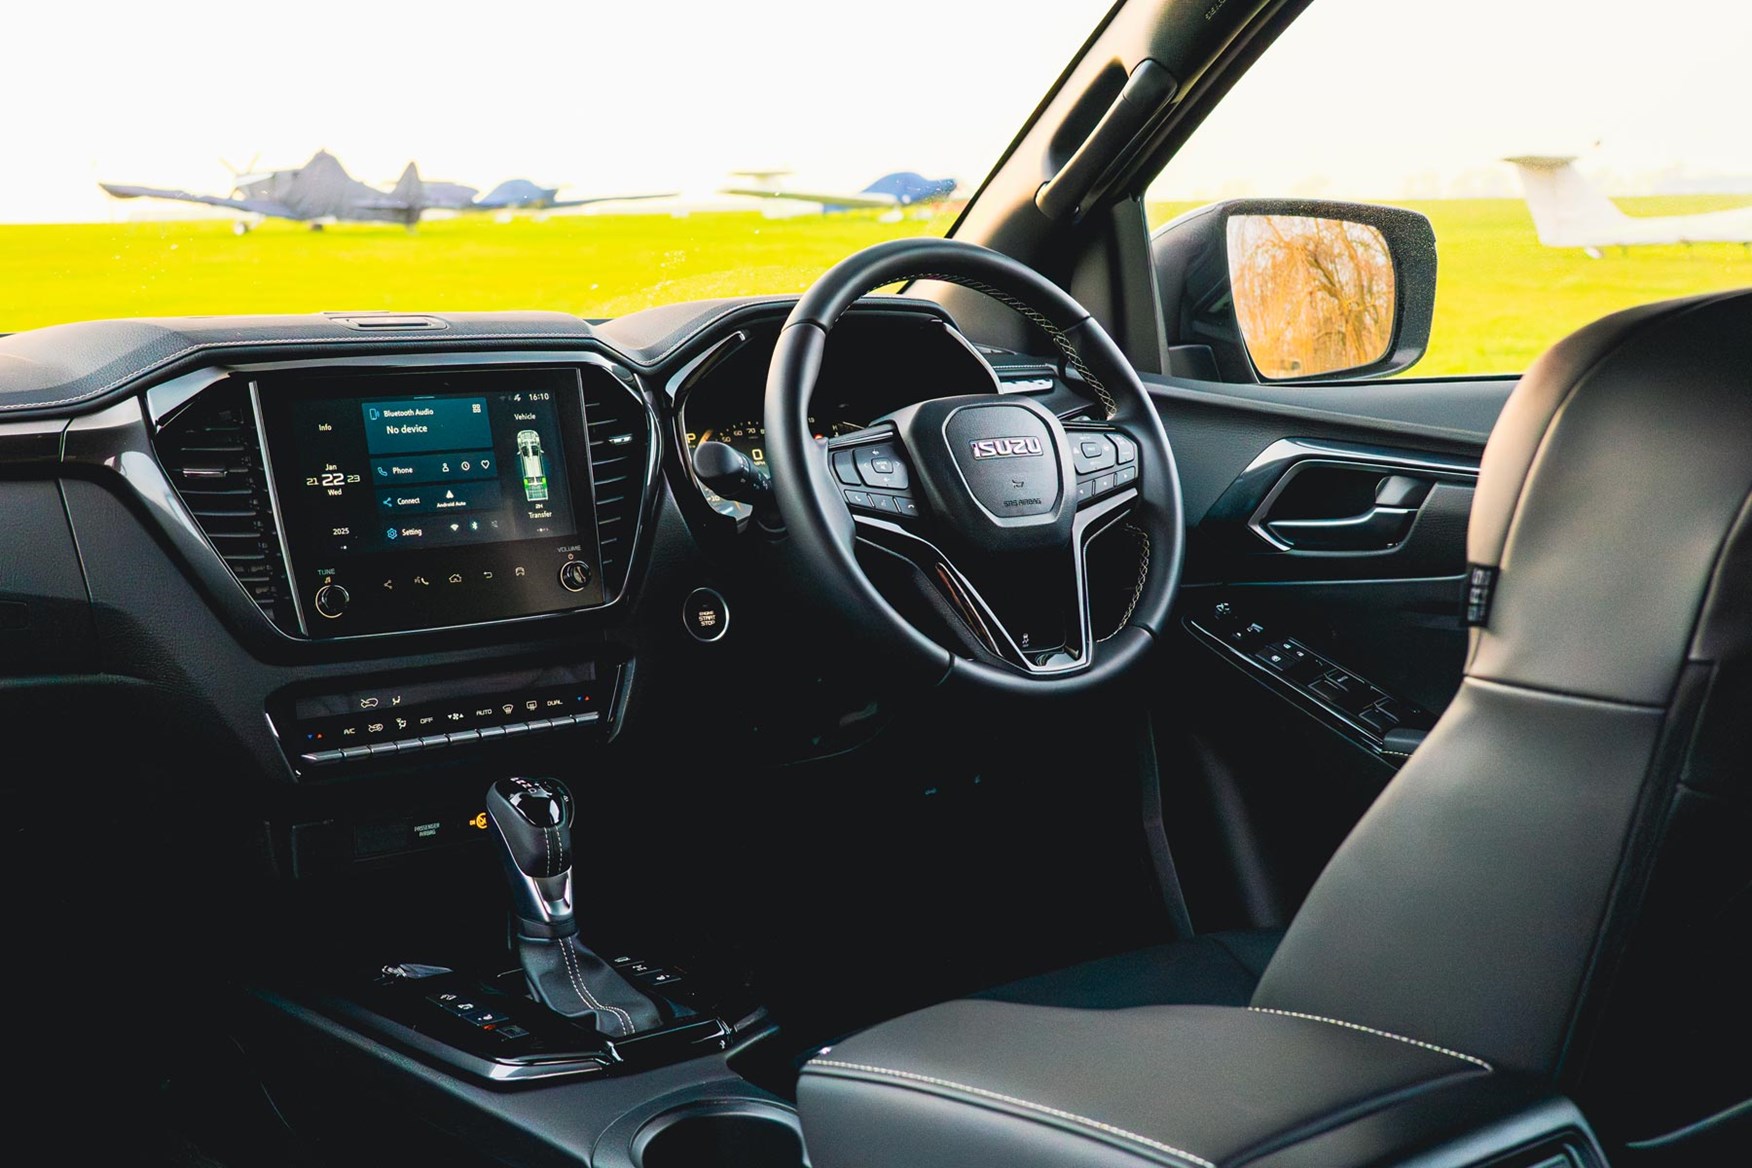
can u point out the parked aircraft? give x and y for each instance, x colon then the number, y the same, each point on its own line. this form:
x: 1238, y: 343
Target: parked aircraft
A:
x: 901, y: 189
x: 519, y: 194
x: 1570, y: 211
x: 321, y: 191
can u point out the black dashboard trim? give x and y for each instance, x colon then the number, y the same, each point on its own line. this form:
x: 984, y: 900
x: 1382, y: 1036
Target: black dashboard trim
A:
x: 62, y: 368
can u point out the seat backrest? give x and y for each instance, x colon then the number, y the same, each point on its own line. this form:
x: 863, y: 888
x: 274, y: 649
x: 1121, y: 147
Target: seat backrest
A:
x: 1560, y: 879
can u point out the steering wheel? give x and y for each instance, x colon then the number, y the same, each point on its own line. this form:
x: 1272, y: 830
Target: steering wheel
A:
x: 991, y: 496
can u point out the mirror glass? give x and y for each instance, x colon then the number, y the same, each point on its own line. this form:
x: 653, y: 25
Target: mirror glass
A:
x: 1312, y: 296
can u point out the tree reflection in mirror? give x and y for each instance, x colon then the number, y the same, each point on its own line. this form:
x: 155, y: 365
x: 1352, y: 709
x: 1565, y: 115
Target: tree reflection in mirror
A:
x: 1312, y: 296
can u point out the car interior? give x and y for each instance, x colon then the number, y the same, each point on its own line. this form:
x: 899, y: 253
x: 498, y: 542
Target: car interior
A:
x: 973, y: 712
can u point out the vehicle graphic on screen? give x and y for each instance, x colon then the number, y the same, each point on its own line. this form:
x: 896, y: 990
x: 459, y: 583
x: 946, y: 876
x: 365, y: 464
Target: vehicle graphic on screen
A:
x: 529, y: 453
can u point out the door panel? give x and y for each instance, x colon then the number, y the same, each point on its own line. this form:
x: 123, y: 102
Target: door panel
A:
x: 1319, y: 627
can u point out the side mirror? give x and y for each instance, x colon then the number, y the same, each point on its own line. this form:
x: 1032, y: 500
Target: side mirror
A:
x: 1296, y: 289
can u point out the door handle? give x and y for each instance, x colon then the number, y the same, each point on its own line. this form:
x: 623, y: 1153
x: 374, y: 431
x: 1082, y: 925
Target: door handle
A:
x: 1376, y: 530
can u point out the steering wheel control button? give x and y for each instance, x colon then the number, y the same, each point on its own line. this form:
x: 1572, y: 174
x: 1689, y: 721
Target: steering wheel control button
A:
x: 906, y: 506
x: 1085, y: 490
x: 331, y: 600
x: 845, y: 468
x: 574, y: 575
x: 1093, y: 452
x: 705, y: 615
x: 1128, y: 450
x: 1124, y: 475
x: 883, y: 503
x: 1103, y: 484
x: 857, y: 499
x: 879, y: 465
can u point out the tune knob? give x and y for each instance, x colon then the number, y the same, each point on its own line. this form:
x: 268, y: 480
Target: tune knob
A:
x: 574, y: 575
x: 331, y: 600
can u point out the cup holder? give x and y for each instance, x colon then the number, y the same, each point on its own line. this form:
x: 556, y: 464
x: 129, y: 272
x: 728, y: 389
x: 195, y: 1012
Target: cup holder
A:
x: 725, y: 1134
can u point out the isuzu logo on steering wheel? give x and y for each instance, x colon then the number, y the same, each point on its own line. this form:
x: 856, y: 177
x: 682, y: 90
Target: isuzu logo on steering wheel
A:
x: 1006, y: 447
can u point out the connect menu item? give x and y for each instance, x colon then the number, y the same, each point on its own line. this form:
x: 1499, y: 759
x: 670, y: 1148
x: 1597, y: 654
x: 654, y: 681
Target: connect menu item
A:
x: 477, y: 479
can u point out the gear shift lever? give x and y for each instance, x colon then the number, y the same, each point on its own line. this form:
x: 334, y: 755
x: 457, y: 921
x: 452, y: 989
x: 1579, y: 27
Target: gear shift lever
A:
x: 532, y: 820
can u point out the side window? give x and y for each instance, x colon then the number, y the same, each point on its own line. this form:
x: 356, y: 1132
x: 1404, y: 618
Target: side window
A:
x: 1572, y: 161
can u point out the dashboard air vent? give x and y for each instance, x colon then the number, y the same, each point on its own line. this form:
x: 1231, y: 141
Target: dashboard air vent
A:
x: 620, y: 437
x: 213, y: 457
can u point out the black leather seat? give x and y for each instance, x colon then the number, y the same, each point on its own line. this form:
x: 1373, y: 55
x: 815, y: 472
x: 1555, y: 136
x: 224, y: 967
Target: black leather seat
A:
x: 1556, y: 890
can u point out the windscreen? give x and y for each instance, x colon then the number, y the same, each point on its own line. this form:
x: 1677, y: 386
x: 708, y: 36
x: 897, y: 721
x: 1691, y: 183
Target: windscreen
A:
x: 173, y: 159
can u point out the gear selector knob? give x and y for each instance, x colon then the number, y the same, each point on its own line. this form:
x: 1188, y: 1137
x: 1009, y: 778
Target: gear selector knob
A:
x: 532, y: 820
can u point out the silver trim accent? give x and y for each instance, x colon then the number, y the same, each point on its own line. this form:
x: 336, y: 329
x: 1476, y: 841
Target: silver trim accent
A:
x: 1292, y: 450
x: 125, y: 448
x: 1290, y: 456
x: 255, y: 405
x: 682, y: 381
x: 679, y: 389
x: 550, y: 897
x: 167, y: 397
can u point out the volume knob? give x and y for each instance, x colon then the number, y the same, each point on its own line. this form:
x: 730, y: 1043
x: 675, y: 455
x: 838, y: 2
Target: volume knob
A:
x: 331, y: 600
x: 574, y: 575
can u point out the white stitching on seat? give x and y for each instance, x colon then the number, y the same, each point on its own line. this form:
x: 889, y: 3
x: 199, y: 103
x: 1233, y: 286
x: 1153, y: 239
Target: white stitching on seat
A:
x: 1055, y: 1112
x: 1377, y: 1033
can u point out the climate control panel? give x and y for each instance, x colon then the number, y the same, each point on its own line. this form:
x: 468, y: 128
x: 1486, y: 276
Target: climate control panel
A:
x: 375, y: 723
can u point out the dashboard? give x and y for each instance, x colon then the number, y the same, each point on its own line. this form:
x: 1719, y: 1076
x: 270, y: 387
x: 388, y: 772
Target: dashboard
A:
x: 356, y: 559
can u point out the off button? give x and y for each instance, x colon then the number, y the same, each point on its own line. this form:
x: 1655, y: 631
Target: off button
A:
x: 574, y: 575
x: 705, y: 614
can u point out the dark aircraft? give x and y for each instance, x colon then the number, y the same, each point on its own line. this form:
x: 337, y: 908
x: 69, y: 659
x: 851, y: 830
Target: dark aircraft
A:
x: 321, y: 191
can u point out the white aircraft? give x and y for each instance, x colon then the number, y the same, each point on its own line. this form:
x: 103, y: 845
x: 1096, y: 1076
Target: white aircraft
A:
x: 1570, y: 211
x: 892, y: 192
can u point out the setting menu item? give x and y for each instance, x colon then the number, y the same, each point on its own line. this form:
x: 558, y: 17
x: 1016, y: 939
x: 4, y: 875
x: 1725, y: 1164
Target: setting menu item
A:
x: 390, y: 483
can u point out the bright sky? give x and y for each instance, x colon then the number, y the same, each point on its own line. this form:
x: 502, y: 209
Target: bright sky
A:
x: 1399, y: 98
x: 604, y: 96
x: 1361, y: 98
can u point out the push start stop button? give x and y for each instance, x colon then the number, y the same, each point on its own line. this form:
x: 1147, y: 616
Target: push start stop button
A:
x: 705, y: 614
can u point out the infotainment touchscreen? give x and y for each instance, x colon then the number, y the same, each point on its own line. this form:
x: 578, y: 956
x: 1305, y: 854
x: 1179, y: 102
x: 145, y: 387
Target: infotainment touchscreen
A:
x: 419, y: 500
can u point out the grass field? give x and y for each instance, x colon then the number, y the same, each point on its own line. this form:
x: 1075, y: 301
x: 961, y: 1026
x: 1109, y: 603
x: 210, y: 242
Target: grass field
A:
x: 1502, y: 297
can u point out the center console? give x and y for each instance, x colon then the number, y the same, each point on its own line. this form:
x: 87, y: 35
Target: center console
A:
x: 422, y: 554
